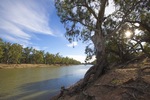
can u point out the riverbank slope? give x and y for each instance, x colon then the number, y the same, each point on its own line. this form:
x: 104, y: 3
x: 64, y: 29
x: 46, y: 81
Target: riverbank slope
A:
x: 130, y: 81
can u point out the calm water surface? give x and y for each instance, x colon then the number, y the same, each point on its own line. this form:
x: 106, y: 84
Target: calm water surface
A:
x: 38, y: 83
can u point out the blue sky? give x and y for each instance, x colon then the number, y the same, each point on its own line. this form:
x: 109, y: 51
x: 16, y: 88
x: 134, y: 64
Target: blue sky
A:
x: 34, y: 23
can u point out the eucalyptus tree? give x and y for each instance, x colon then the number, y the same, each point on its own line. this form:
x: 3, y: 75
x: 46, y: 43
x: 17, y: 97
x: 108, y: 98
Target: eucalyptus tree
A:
x: 58, y: 58
x: 6, y: 56
x: 1, y: 49
x: 33, y: 56
x: 83, y: 19
x: 1, y: 53
x: 49, y: 58
x: 87, y: 20
x: 15, y: 53
x: 26, y: 52
x: 37, y: 57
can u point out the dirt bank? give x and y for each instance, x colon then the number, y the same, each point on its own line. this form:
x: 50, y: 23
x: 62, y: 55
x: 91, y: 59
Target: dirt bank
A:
x: 8, y: 66
x: 130, y: 82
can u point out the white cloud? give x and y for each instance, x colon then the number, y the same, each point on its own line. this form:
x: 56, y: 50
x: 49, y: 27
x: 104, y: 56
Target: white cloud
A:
x: 23, y: 42
x: 77, y: 57
x: 20, y: 18
x: 81, y: 58
x: 73, y: 44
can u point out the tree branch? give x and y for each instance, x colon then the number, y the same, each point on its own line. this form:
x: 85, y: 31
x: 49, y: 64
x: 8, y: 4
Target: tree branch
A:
x: 139, y: 42
x: 117, y: 28
x: 89, y: 9
x: 102, y: 11
x: 123, y: 20
x: 78, y: 20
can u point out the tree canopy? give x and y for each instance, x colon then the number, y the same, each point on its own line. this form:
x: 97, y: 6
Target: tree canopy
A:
x: 16, y: 54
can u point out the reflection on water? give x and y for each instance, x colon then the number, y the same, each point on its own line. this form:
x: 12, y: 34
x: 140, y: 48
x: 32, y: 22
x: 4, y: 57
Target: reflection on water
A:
x: 38, y: 83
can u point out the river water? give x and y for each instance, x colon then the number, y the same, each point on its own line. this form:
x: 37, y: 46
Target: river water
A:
x: 38, y: 83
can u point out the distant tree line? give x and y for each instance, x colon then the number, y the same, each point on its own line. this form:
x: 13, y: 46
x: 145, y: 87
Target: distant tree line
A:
x: 16, y: 54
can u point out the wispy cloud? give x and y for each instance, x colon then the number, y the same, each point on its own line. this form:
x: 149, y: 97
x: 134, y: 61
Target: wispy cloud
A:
x: 73, y: 44
x: 80, y: 58
x: 20, y: 18
x: 39, y: 48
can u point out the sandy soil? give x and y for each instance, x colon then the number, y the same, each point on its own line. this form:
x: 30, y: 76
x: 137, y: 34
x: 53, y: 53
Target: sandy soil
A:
x: 6, y: 66
x: 132, y: 82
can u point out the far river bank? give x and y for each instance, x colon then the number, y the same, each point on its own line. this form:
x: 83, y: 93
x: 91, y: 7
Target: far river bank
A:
x: 9, y: 66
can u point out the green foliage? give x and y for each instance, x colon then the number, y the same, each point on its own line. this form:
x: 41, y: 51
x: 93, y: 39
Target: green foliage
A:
x: 15, y: 53
x: 49, y: 58
x: 74, y: 15
x: 37, y: 57
x: 119, y: 48
x: 1, y: 52
x: 6, y: 56
x: 1, y: 48
x: 26, y: 53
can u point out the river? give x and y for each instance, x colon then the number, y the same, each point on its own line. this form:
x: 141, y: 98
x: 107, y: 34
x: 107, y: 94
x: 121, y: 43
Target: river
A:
x: 38, y: 83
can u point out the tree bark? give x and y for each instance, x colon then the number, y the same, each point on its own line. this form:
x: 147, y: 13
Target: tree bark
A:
x: 98, y: 40
x: 101, y: 62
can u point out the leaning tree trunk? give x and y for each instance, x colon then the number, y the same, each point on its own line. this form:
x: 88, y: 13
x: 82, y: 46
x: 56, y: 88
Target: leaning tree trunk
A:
x: 99, y: 44
x: 96, y: 71
x: 98, y: 40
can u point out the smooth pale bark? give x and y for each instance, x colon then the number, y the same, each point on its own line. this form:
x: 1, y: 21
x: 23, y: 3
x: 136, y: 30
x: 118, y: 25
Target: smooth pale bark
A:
x: 98, y: 40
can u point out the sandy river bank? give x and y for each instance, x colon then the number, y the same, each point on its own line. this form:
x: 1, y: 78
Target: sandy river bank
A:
x: 8, y: 66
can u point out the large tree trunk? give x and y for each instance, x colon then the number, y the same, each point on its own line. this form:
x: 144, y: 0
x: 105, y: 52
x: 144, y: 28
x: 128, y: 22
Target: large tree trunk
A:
x: 101, y: 62
x: 98, y: 40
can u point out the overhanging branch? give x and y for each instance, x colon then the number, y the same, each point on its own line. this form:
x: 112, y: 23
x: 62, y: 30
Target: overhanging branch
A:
x: 78, y: 20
